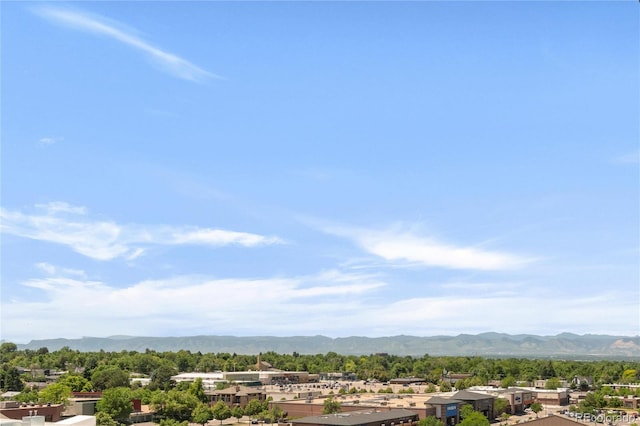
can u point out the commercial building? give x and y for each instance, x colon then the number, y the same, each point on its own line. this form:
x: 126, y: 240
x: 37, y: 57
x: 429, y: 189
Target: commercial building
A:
x: 36, y: 420
x: 481, y: 402
x: 209, y: 380
x: 235, y: 396
x: 558, y: 396
x: 361, y: 418
x: 517, y: 398
x: 446, y: 409
x: 17, y: 411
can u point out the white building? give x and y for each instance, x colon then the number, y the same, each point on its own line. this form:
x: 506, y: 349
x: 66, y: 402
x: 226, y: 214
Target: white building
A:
x: 209, y: 380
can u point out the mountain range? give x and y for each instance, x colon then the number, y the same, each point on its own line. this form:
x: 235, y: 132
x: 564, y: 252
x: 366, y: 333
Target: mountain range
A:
x: 563, y: 346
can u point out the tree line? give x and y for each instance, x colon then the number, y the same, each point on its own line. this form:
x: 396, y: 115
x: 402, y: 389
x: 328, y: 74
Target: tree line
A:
x: 179, y: 403
x: 160, y: 365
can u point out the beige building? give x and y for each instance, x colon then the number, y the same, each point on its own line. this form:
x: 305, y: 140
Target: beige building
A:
x: 235, y: 396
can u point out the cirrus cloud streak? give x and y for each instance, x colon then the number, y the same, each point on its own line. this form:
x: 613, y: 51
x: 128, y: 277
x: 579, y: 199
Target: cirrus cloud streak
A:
x: 399, y: 245
x: 168, y: 62
x: 68, y: 225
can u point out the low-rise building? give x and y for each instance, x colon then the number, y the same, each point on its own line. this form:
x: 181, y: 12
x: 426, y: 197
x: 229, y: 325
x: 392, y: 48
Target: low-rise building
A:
x: 517, y: 398
x: 481, y: 402
x: 618, y: 386
x: 235, y: 396
x: 361, y: 418
x: 558, y: 396
x: 48, y: 412
x: 407, y: 381
x: 454, y: 377
x: 542, y: 383
x: 209, y: 380
x: 447, y: 410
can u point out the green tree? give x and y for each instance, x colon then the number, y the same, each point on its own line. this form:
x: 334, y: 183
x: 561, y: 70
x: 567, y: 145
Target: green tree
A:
x: 202, y: 414
x: 508, y: 382
x: 553, y: 383
x: 430, y: 421
x: 629, y: 375
x: 466, y: 410
x: 461, y: 385
x: 547, y: 370
x: 197, y: 389
x: 103, y: 419
x: 591, y: 402
x: 175, y: 404
x: 10, y: 379
x: 55, y: 393
x: 331, y: 406
x: 615, y: 402
x: 221, y: 411
x: 254, y: 407
x: 504, y: 417
x: 237, y: 412
x: 271, y: 415
x: 76, y: 382
x: 8, y: 351
x: 109, y: 376
x: 173, y: 422
x: 444, y: 386
x: 116, y: 402
x: 161, y: 376
x: 500, y: 405
x: 536, y: 407
x: 475, y: 419
x: 278, y: 413
x: 28, y: 395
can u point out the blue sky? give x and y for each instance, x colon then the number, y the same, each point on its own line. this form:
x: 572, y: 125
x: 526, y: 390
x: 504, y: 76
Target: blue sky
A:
x: 334, y: 168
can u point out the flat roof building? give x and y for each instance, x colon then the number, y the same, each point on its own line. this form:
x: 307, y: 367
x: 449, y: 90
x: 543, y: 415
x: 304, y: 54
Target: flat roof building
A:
x: 481, y: 402
x: 361, y: 418
x: 209, y: 380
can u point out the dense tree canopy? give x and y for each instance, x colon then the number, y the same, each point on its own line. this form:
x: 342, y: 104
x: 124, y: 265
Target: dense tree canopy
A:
x: 430, y: 421
x: 111, y: 372
x: 116, y: 402
x: 55, y: 393
x: 161, y: 366
x: 475, y: 419
x: 109, y: 376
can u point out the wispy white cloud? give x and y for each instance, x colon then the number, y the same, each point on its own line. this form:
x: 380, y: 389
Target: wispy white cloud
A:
x: 168, y: 62
x: 183, y: 304
x: 397, y: 244
x: 48, y: 140
x: 53, y: 270
x: 62, y: 223
x: 332, y: 303
x: 55, y: 207
x: 629, y: 158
